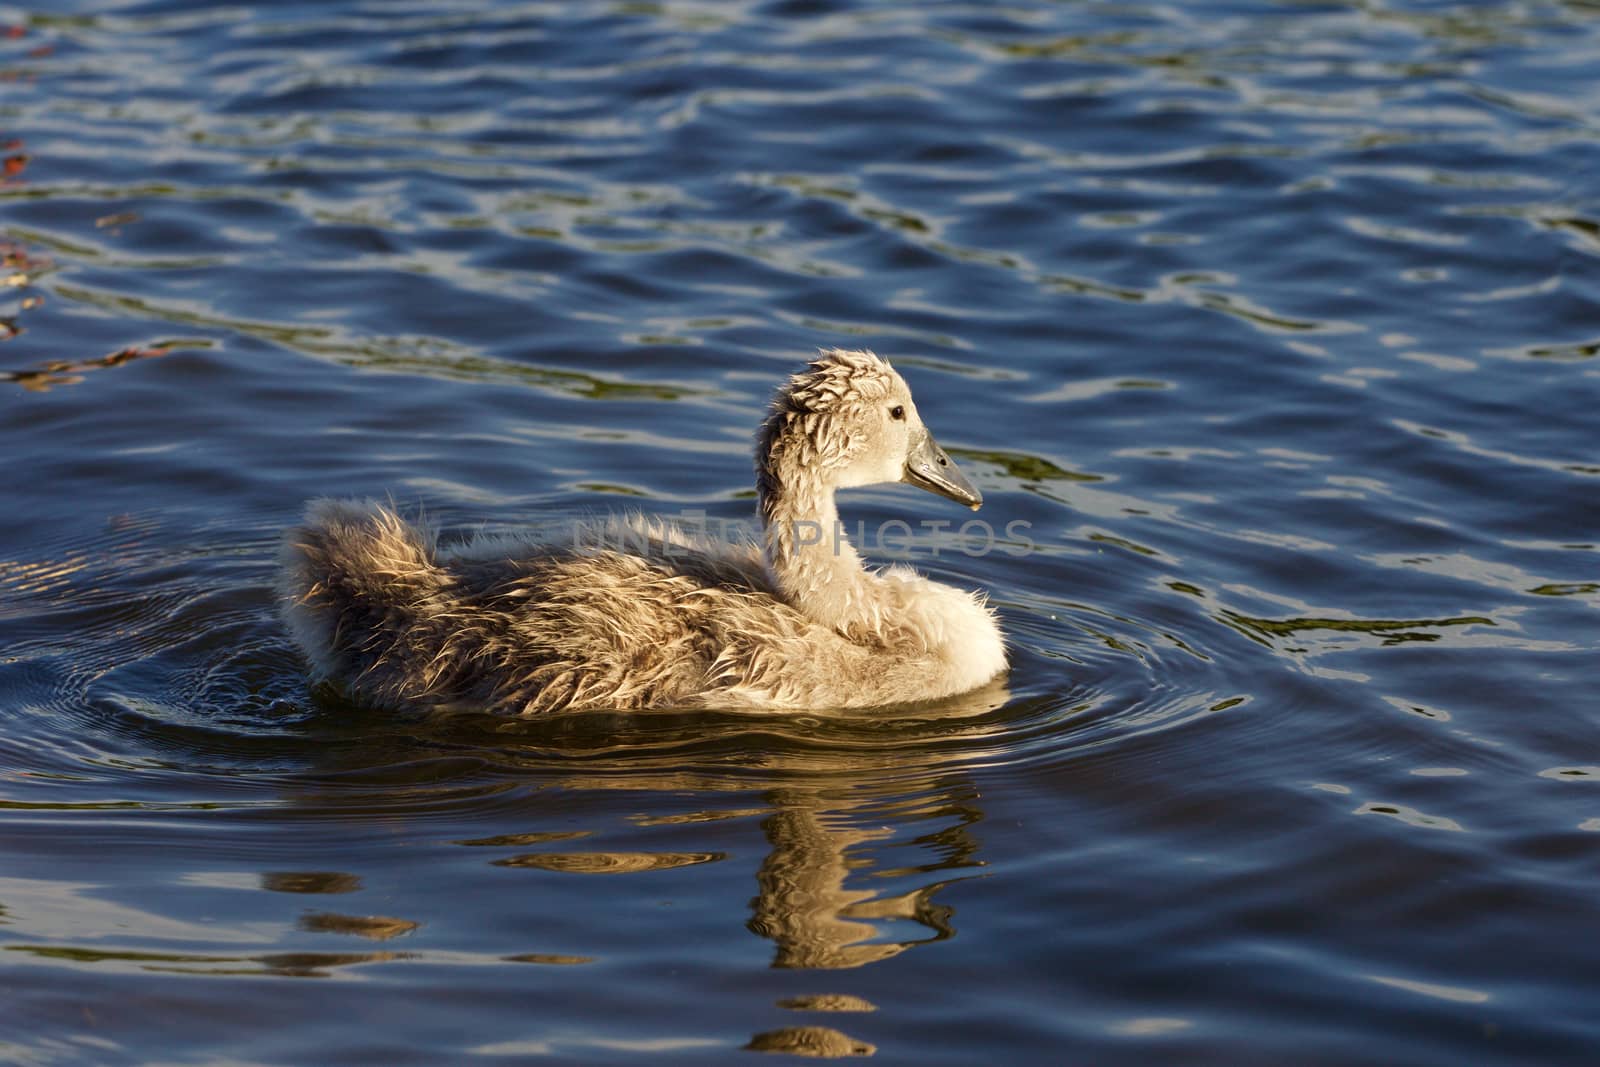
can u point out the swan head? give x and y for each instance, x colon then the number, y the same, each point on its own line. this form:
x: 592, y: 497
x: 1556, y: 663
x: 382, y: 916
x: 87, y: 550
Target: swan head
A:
x: 849, y: 419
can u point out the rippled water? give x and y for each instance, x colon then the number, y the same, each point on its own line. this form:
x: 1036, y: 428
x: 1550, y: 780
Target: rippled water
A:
x: 1276, y: 321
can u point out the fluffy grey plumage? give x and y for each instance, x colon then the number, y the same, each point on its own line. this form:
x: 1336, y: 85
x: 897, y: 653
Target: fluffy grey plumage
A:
x: 632, y: 613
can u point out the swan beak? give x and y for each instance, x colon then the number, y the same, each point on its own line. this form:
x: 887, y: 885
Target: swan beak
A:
x: 929, y: 468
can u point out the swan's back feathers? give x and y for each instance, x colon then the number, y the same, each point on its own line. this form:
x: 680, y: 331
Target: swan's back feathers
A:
x: 527, y: 627
x: 349, y: 575
x: 502, y: 621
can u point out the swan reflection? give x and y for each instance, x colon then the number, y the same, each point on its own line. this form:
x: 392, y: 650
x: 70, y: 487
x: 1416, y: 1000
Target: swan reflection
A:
x: 845, y: 799
x: 858, y: 819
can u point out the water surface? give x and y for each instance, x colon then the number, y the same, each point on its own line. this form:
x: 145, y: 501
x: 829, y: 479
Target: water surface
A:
x: 1275, y: 322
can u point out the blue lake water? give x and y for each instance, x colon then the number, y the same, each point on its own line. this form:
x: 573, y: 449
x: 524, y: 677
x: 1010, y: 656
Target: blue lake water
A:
x: 1277, y: 323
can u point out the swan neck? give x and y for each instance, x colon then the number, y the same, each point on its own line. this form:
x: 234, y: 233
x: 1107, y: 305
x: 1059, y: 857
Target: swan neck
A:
x: 813, y: 564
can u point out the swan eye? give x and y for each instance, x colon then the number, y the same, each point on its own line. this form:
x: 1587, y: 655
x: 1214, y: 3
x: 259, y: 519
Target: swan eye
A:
x: 897, y: 412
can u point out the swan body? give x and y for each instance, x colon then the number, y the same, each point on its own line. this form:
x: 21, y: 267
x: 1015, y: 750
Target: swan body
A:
x: 630, y: 613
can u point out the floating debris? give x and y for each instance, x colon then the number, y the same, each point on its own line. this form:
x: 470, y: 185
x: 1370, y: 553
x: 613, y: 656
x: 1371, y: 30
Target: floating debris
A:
x: 70, y: 372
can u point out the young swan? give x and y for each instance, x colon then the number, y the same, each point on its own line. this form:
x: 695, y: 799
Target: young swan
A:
x: 632, y: 613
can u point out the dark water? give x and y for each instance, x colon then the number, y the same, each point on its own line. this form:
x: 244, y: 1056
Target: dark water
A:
x: 1278, y: 322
